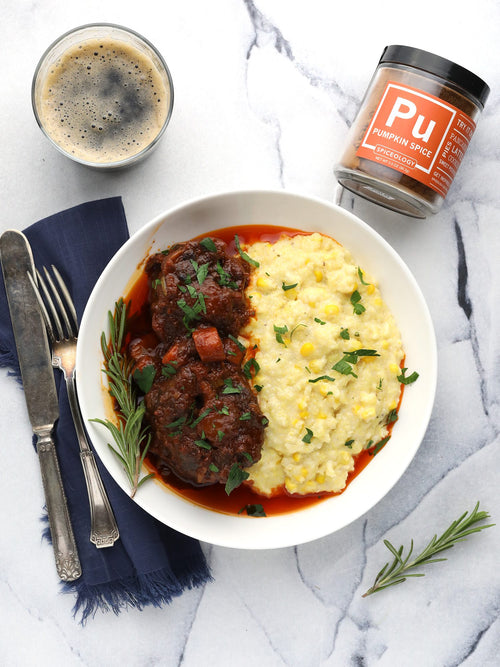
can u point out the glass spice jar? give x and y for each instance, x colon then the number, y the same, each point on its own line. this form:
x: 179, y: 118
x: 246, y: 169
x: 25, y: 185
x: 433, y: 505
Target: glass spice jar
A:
x: 411, y: 132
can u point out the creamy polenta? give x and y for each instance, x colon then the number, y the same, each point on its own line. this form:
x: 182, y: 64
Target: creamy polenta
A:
x: 329, y: 355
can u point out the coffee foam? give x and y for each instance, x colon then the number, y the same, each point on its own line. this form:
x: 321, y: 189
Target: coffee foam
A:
x: 103, y: 101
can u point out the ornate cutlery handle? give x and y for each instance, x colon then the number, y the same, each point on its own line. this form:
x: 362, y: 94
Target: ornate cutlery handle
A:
x: 103, y: 529
x: 63, y: 541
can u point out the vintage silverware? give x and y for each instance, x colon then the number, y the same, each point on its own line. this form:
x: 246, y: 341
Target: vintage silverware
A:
x: 62, y: 327
x: 40, y: 392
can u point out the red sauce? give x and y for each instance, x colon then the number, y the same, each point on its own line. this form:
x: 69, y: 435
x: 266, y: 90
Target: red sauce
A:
x: 214, y: 497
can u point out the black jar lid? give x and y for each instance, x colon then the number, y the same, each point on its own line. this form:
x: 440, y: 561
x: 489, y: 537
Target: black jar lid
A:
x: 446, y: 69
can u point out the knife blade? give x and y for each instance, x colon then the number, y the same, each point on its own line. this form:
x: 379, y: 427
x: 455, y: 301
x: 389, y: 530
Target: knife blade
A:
x: 40, y: 392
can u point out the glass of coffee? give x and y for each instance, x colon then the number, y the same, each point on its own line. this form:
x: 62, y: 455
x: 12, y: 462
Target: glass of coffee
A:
x: 103, y: 95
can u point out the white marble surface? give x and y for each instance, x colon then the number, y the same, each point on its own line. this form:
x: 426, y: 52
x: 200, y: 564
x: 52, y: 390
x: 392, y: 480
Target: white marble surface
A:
x: 265, y: 91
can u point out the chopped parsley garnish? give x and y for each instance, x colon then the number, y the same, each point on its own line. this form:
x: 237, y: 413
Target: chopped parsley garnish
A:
x: 361, y: 278
x: 229, y: 387
x: 344, y: 333
x: 407, y: 380
x: 280, y: 331
x: 201, y: 416
x: 145, y: 377
x: 213, y: 468
x: 243, y: 254
x: 316, y: 319
x: 203, y: 443
x: 392, y: 417
x: 253, y: 510
x: 208, y: 244
x: 348, y: 443
x: 323, y: 377
x: 251, y: 368
x: 200, y: 271
x: 245, y: 416
x: 168, y: 369
x: 379, y: 445
x: 344, y: 366
x: 308, y: 436
x: 285, y: 287
x: 235, y: 478
x: 225, y: 278
x: 358, y: 307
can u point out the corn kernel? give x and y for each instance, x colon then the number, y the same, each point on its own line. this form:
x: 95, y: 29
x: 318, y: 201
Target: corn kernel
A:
x: 305, y: 471
x: 262, y: 283
x: 320, y: 478
x: 290, y: 485
x: 385, y: 345
x: 394, y: 368
x: 345, y: 457
x: 315, y: 365
x: 318, y: 274
x: 304, y: 414
x: 370, y: 289
x: 366, y: 413
x: 321, y: 415
x: 301, y: 404
x: 377, y: 301
x: 306, y: 349
x: 332, y: 309
x: 296, y: 457
x: 393, y: 405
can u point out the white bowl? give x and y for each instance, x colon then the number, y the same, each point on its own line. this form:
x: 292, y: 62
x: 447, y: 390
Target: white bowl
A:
x: 402, y: 295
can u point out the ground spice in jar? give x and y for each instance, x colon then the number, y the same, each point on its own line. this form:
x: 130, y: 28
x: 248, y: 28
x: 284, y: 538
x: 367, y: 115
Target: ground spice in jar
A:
x: 412, y: 130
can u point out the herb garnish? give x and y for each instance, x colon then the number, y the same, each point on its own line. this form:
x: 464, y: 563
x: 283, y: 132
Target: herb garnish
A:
x: 236, y: 476
x: 344, y: 365
x: 361, y: 278
x: 131, y: 438
x: 323, y: 377
x: 285, y: 287
x: 407, y: 380
x: 145, y: 377
x: 358, y: 307
x: 243, y: 254
x: 308, y: 436
x: 208, y: 244
x: 253, y: 510
x: 399, y: 570
x: 280, y: 332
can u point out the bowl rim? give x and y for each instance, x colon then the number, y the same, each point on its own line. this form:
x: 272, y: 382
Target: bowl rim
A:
x: 279, y: 530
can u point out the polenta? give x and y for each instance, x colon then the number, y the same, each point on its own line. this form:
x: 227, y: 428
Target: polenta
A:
x: 329, y: 354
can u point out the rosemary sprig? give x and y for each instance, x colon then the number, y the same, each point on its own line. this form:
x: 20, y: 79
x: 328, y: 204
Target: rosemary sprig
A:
x: 398, y: 571
x: 131, y: 438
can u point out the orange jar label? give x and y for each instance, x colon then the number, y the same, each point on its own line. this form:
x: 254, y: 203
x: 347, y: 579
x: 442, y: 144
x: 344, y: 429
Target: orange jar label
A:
x: 418, y: 135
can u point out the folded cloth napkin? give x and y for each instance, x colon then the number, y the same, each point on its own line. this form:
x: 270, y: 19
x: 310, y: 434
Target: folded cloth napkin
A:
x: 150, y: 563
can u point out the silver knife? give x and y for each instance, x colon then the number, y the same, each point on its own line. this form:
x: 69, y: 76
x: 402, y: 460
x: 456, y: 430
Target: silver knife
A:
x: 40, y: 392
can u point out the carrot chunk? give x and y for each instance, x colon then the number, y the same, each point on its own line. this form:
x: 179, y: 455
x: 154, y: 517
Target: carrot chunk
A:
x: 208, y: 344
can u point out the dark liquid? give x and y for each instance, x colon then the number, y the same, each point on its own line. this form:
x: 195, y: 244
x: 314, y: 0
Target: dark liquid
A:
x: 104, y: 101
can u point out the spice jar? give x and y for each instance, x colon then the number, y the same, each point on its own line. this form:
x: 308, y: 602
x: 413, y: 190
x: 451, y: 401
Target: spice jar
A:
x: 412, y: 130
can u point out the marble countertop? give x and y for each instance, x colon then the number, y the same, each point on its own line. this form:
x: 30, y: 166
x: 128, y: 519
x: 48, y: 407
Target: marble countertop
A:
x: 264, y: 93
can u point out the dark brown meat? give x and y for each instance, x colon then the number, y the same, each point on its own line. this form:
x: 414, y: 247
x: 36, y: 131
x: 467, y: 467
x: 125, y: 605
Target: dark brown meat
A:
x: 193, y: 285
x: 204, y: 419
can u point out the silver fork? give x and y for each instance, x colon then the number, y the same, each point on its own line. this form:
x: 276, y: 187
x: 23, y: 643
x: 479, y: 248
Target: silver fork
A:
x: 63, y: 337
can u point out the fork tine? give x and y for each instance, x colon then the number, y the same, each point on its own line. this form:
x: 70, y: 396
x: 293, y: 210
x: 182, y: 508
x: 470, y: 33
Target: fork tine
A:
x: 67, y: 296
x: 55, y: 317
x: 43, y: 309
x: 61, y: 312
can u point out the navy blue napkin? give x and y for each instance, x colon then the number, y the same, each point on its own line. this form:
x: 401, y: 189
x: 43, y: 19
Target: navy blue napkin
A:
x: 150, y: 563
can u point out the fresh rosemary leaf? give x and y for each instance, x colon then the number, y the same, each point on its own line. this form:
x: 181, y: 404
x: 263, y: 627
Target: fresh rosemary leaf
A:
x: 400, y: 568
x: 131, y: 438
